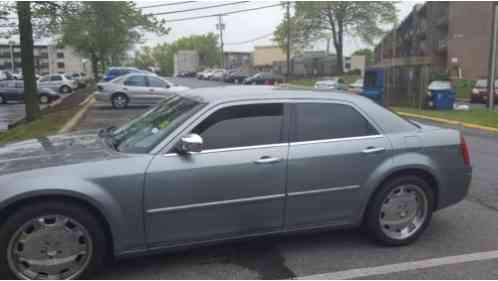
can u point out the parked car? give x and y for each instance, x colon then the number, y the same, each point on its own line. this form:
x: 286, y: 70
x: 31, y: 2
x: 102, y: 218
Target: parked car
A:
x: 186, y: 74
x: 58, y: 82
x: 114, y: 72
x: 480, y: 94
x: 5, y: 75
x: 236, y: 77
x: 218, y: 75
x: 218, y: 164
x: 13, y: 90
x: 204, y: 75
x: 263, y: 78
x: 330, y: 84
x: 136, y: 88
x: 80, y: 78
x: 356, y: 87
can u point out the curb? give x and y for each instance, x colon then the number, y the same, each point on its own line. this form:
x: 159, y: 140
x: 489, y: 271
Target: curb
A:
x: 77, y: 117
x: 451, y: 122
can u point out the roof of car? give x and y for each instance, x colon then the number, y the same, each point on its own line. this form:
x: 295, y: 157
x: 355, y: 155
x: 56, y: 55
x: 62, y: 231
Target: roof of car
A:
x: 240, y: 93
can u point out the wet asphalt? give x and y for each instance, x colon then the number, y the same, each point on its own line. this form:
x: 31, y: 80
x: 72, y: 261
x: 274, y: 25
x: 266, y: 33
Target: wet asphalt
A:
x: 468, y: 227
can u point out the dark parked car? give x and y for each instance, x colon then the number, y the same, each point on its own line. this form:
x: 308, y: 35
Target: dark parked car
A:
x: 480, y: 94
x: 236, y: 77
x: 14, y: 91
x: 263, y: 78
x: 114, y: 72
x: 218, y: 164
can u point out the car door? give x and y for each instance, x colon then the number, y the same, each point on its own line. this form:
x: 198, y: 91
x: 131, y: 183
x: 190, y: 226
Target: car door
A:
x: 234, y: 187
x: 135, y: 86
x: 333, y: 149
x: 55, y: 82
x: 158, y: 88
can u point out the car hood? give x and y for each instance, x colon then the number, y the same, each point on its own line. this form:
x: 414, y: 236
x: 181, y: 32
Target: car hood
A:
x: 58, y: 150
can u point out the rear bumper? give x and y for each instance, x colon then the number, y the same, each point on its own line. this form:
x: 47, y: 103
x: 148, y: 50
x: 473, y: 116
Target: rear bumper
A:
x: 455, y: 189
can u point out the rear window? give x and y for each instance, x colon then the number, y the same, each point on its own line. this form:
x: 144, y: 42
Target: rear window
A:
x: 321, y: 121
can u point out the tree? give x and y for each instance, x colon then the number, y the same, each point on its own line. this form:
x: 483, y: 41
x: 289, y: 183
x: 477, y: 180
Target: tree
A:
x: 103, y: 31
x: 162, y: 55
x: 368, y: 53
x: 31, y: 98
x: 356, y: 19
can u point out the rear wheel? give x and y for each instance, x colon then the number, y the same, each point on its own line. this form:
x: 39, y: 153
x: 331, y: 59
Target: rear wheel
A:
x: 400, y: 211
x: 119, y: 101
x: 51, y: 240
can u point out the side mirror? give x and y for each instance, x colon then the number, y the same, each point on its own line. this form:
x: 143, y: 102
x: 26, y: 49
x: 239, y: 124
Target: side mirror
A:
x: 191, y: 143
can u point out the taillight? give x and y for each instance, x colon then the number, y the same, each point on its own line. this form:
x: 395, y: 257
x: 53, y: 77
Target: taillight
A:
x: 465, y: 151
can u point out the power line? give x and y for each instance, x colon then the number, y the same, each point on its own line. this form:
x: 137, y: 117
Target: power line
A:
x: 251, y: 40
x: 199, y: 8
x: 166, y: 4
x: 222, y: 14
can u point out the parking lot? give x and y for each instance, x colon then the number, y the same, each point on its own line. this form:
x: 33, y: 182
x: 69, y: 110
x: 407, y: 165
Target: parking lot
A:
x: 464, y: 236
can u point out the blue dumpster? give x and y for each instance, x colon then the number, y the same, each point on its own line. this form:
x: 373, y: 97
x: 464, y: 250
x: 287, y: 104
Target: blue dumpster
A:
x: 373, y: 85
x: 441, y: 95
x: 443, y: 99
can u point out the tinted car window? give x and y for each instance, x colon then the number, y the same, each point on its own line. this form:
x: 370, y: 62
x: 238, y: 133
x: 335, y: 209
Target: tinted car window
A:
x: 316, y: 121
x: 156, y: 82
x: 55, y: 78
x: 136, y: 80
x: 243, y: 125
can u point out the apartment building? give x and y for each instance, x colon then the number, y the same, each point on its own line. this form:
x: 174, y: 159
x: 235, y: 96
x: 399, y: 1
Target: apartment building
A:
x: 234, y: 59
x: 451, y: 37
x: 48, y: 58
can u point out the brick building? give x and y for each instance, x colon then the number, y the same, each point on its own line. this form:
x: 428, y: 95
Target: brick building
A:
x: 451, y: 37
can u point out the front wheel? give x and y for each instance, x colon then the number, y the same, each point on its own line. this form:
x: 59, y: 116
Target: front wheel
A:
x: 400, y: 211
x: 51, y: 240
x: 119, y: 101
x: 65, y: 89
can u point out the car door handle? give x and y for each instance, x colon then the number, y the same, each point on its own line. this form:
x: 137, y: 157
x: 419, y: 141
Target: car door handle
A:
x: 268, y: 160
x: 371, y: 149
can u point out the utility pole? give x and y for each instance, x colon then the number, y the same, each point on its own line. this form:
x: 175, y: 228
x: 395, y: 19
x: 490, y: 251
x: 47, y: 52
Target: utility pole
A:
x: 492, y: 59
x: 221, y: 26
x: 288, y: 42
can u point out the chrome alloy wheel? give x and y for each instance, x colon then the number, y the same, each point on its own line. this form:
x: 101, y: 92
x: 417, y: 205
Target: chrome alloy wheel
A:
x: 119, y: 101
x: 50, y: 247
x: 403, y: 211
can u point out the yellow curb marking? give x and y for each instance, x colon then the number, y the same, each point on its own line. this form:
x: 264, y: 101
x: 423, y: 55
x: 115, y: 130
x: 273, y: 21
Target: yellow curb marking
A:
x: 452, y: 122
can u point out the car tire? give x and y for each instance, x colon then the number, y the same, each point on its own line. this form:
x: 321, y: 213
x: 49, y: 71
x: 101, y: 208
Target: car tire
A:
x: 119, y: 101
x: 79, y: 236
x: 408, y: 199
x: 65, y: 89
x: 44, y: 99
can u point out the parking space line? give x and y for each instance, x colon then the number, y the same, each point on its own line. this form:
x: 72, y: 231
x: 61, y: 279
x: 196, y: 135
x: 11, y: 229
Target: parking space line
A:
x: 404, y: 266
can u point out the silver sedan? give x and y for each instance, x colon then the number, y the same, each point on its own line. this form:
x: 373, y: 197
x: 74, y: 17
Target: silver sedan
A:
x: 217, y: 164
x: 137, y: 89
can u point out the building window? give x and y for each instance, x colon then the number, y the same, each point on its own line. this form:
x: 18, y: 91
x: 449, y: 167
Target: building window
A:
x: 60, y: 55
x: 60, y: 65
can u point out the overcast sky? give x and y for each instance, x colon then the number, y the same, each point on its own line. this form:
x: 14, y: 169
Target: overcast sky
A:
x: 240, y: 27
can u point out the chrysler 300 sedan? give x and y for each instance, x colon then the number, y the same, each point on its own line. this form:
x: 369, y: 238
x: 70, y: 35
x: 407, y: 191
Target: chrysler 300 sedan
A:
x: 216, y: 164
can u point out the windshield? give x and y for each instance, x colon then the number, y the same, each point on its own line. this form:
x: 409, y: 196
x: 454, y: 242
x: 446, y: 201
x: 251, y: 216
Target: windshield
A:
x: 146, y: 131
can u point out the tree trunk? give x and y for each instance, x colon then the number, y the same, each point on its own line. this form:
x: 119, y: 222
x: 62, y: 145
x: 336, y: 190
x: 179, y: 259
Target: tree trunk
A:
x: 31, y: 99
x: 95, y: 66
x: 339, y: 67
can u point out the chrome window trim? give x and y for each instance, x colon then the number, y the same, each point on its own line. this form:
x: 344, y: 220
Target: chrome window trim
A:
x: 238, y: 148
x: 215, y: 203
x: 335, y: 140
x: 322, y: 190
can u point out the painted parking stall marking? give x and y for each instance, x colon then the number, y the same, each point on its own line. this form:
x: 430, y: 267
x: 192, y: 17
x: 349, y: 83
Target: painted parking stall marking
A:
x: 404, y: 266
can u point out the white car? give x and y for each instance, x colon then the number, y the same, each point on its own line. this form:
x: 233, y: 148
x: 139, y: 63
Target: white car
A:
x: 331, y: 84
x: 356, y: 86
x: 136, y: 89
x: 58, y: 82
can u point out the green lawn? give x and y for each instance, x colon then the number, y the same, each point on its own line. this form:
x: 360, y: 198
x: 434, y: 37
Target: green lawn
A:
x: 478, y: 116
x: 48, y: 124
